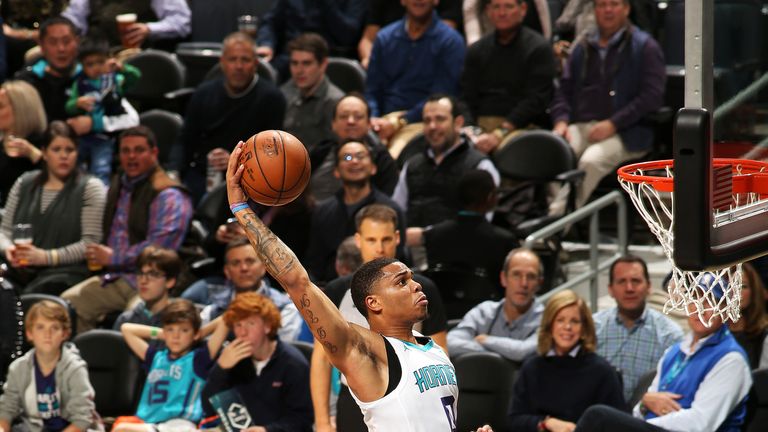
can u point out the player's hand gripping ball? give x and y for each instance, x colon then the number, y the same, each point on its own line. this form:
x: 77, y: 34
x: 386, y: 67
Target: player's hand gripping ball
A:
x: 277, y: 167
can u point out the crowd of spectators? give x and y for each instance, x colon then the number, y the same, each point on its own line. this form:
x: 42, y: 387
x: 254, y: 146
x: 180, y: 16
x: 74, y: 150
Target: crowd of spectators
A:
x: 404, y: 168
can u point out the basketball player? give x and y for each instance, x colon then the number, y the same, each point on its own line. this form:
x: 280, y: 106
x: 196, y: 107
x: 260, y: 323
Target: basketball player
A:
x: 379, y: 363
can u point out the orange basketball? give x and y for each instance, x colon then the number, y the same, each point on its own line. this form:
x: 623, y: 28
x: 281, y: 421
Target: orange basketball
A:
x: 277, y: 167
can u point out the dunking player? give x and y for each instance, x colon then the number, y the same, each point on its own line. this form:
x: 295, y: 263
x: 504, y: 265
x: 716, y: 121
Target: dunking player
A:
x: 400, y: 381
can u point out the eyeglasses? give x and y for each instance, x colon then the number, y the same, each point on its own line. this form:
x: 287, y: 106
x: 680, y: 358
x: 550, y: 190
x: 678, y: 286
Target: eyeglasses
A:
x: 152, y: 274
x: 524, y: 276
x: 361, y: 156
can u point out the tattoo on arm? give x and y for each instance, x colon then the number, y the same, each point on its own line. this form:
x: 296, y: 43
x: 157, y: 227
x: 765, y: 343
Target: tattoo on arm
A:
x: 279, y: 260
x: 311, y: 319
x: 277, y: 257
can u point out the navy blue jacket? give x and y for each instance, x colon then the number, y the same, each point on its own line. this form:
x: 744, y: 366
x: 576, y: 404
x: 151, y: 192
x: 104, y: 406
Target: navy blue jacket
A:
x: 278, y: 399
x: 624, y: 87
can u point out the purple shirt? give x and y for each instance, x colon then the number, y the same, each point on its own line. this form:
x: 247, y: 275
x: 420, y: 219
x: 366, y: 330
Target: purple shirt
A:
x: 169, y: 216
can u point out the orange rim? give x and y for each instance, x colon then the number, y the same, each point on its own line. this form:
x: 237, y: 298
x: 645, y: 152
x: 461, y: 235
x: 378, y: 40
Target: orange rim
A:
x: 748, y: 175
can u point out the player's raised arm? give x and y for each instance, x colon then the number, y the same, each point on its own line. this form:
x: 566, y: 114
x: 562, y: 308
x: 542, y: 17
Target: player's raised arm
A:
x: 336, y: 335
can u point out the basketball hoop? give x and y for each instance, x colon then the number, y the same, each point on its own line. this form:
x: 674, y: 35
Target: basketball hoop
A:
x: 740, y: 191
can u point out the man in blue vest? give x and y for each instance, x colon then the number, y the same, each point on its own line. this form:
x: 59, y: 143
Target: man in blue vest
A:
x: 701, y: 383
x: 614, y: 77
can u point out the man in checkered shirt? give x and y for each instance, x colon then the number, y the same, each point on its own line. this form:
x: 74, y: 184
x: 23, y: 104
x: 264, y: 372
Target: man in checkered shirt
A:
x: 631, y: 336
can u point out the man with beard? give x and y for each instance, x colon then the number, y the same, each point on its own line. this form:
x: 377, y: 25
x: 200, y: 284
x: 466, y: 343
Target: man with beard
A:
x: 333, y: 219
x: 428, y: 181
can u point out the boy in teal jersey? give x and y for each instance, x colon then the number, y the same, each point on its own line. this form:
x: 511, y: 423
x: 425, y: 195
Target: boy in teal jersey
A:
x: 176, y: 374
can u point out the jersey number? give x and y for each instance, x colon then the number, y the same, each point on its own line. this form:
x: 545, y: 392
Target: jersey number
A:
x: 449, y: 406
x: 158, y: 392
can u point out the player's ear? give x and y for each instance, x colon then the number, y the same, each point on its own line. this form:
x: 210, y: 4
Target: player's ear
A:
x: 373, y: 304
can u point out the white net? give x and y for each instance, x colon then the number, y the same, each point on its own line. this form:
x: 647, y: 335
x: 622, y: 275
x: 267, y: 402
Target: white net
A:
x: 709, y: 294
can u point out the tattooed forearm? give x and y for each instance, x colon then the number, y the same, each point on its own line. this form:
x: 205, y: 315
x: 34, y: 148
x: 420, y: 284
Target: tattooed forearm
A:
x: 277, y: 257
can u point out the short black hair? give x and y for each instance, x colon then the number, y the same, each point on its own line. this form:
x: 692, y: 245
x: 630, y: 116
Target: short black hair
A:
x: 456, y: 108
x: 57, y: 20
x: 140, y: 131
x: 93, y: 46
x: 474, y: 188
x: 629, y: 259
x: 364, y: 280
x: 310, y: 42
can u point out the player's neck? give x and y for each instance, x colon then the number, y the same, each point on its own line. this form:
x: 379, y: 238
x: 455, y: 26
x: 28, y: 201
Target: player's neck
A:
x: 399, y: 331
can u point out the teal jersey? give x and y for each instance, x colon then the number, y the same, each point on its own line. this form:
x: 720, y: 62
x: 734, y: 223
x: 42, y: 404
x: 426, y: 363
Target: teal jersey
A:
x: 173, y: 386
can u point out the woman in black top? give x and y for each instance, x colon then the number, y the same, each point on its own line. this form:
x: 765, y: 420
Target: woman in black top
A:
x: 554, y: 388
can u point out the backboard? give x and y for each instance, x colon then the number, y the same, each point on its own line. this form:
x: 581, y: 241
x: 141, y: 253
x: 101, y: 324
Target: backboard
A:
x: 708, y: 233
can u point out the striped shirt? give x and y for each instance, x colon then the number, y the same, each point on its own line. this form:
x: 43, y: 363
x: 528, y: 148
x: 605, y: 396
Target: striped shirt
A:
x: 94, y: 199
x: 637, y: 350
x: 169, y: 216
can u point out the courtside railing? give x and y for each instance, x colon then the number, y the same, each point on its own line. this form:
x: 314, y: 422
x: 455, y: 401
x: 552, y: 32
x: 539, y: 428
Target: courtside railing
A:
x: 596, y: 265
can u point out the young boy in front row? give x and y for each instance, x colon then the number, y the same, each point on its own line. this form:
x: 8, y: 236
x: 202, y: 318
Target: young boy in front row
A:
x: 175, y: 374
x: 156, y: 275
x: 48, y: 389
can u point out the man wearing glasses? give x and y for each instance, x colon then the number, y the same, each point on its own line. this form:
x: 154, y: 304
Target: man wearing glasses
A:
x: 144, y: 207
x: 333, y: 219
x: 508, y: 326
x: 157, y: 270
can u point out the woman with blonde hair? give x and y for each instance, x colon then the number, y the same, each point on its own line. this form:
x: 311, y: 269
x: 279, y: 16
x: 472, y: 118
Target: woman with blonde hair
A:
x: 22, y: 123
x: 555, y: 387
x: 751, y: 329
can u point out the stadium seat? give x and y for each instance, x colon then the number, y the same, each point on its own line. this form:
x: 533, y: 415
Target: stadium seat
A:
x: 485, y: 388
x: 114, y: 371
x: 347, y: 74
x: 462, y: 288
x: 305, y: 348
x: 162, y: 74
x: 529, y: 163
x: 166, y: 126
x: 641, y: 387
x: 198, y: 58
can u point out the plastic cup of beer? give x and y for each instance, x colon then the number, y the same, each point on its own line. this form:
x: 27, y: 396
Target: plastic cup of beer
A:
x: 92, y: 265
x: 248, y: 24
x: 124, y: 21
x: 22, y: 235
x: 12, y: 146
